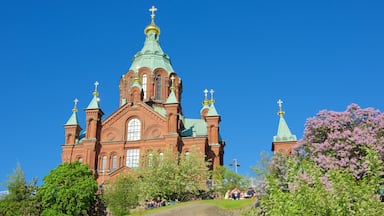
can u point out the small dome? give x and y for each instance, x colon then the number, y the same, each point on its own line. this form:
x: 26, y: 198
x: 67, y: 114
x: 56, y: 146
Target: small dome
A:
x: 152, y: 28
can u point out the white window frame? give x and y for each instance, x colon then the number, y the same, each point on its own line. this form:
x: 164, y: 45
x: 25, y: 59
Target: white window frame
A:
x: 134, y: 127
x: 133, y: 157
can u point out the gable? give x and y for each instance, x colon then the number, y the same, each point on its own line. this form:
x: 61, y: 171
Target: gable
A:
x: 114, y: 127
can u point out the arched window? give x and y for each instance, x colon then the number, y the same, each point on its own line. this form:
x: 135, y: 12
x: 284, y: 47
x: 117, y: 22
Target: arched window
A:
x: 133, y: 130
x: 80, y: 160
x: 158, y: 87
x: 114, y: 162
x: 144, y: 85
x: 104, y: 163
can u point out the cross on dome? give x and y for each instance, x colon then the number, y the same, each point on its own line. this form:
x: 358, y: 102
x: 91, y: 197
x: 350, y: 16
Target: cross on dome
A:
x: 75, y: 106
x: 281, y: 112
x: 280, y: 102
x: 212, y: 100
x: 153, y: 9
x: 173, y: 82
x: 96, y: 84
x: 95, y: 93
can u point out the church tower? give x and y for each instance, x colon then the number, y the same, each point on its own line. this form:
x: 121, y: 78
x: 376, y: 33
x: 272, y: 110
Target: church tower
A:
x: 149, y: 117
x: 284, y: 141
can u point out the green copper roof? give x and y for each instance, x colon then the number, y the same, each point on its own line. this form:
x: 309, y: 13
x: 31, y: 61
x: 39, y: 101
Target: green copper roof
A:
x: 194, y: 127
x: 283, y: 132
x: 212, y: 111
x: 171, y: 98
x: 94, y: 104
x: 160, y: 110
x: 73, y: 119
x: 151, y: 55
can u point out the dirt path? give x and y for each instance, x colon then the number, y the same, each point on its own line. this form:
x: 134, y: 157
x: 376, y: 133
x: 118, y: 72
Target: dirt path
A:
x: 195, y: 209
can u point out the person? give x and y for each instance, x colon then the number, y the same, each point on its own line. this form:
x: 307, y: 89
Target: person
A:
x: 235, y: 194
x: 250, y: 193
x: 227, y: 194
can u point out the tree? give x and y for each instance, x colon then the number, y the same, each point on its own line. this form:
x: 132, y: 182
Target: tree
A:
x: 262, y: 169
x: 339, y: 139
x: 173, y: 176
x: 122, y: 194
x: 69, y: 189
x: 21, y: 199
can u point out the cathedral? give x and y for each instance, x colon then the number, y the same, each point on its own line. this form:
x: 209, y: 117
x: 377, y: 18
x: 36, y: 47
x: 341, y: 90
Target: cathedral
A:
x: 149, y: 117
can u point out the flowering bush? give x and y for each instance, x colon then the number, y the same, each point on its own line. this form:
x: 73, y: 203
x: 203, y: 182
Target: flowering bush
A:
x: 339, y: 139
x: 337, y: 168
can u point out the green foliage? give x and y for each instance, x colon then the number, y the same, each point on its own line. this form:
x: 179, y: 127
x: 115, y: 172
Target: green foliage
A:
x: 297, y: 186
x: 170, y: 176
x: 122, y: 194
x: 69, y: 189
x: 21, y: 199
x: 173, y: 176
x: 226, y: 179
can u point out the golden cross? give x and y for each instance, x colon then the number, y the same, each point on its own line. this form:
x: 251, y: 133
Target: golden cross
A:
x: 153, y: 9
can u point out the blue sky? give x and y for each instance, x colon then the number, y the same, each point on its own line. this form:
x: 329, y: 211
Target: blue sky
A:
x: 314, y: 55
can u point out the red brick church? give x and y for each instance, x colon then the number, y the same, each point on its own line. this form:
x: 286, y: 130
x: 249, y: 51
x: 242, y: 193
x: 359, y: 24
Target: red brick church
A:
x: 150, y: 117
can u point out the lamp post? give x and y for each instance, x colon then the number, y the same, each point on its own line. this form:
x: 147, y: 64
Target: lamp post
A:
x: 235, y: 164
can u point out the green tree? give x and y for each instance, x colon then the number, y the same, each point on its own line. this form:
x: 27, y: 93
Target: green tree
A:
x: 173, y: 176
x: 262, y: 170
x: 122, y: 194
x: 21, y: 199
x: 69, y: 189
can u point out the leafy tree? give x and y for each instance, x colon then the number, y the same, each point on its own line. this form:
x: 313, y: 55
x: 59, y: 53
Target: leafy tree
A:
x: 21, y: 199
x: 173, y: 176
x: 69, y: 189
x: 339, y: 139
x: 262, y: 169
x: 122, y: 194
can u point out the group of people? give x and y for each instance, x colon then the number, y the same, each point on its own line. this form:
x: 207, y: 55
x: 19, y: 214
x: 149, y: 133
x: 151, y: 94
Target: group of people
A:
x: 158, y: 202
x: 236, y: 194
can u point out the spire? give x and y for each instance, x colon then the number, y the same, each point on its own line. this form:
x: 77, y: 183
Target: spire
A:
x: 151, y: 55
x: 152, y: 27
x: 212, y: 109
x: 172, y: 97
x: 205, y: 101
x: 73, y: 119
x: 94, y: 104
x: 283, y: 132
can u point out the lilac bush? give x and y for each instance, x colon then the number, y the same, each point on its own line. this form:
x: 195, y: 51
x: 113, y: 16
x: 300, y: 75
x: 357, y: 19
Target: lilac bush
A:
x: 340, y: 139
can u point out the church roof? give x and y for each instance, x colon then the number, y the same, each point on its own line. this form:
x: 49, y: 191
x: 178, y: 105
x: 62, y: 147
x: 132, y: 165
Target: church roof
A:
x: 212, y: 111
x: 94, y: 104
x: 171, y: 98
x: 283, y: 132
x: 194, y: 127
x: 151, y: 55
x: 73, y: 119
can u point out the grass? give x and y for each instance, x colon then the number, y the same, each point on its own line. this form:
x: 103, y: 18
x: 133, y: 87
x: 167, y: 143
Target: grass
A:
x: 223, y: 204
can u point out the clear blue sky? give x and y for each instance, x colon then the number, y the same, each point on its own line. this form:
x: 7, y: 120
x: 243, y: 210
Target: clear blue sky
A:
x: 314, y: 55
